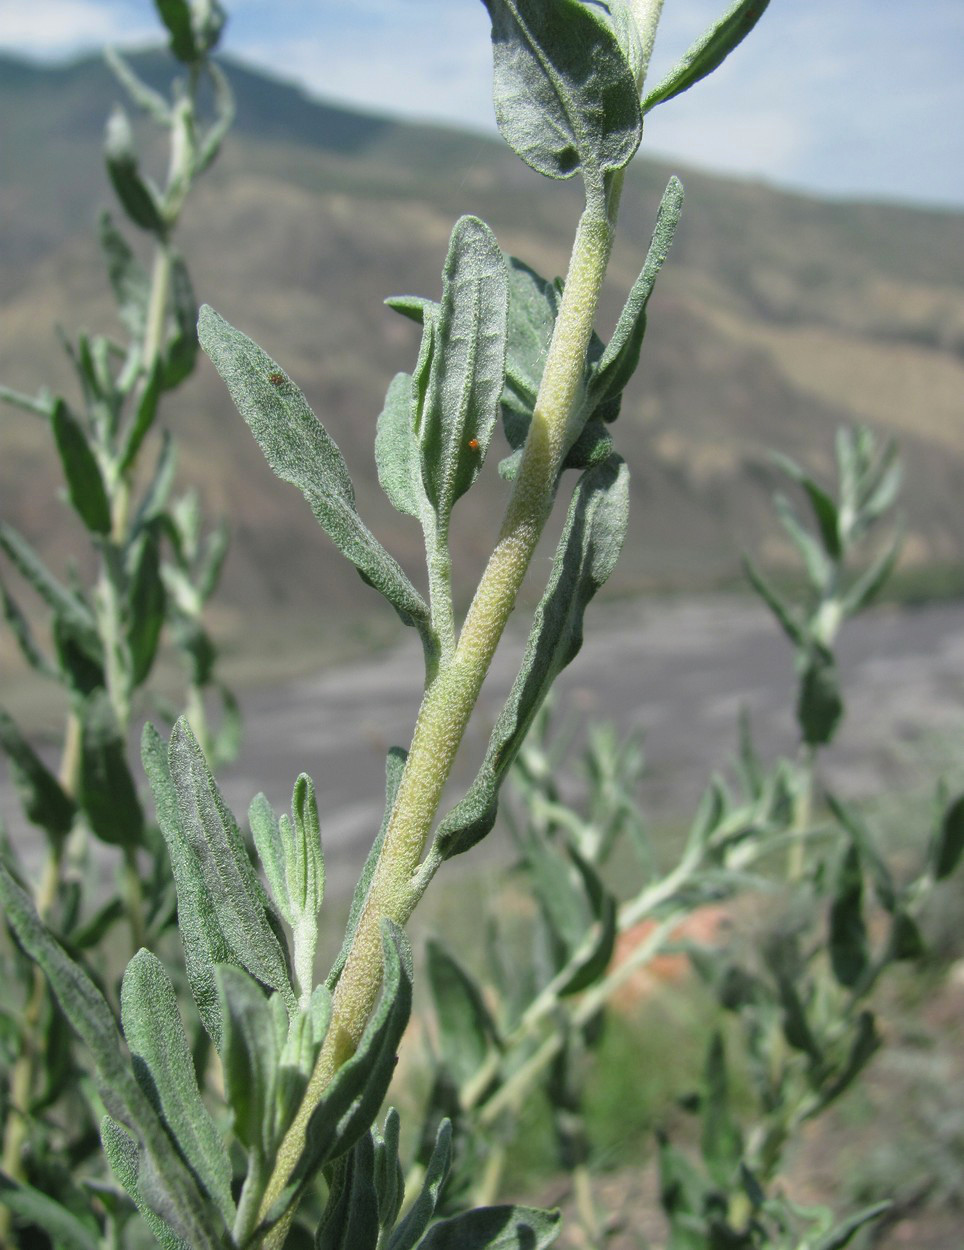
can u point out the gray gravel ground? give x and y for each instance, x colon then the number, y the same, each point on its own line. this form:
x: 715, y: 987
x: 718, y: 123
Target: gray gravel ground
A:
x: 681, y: 670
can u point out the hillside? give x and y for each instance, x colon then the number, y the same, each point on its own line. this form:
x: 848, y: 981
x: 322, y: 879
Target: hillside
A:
x: 777, y: 319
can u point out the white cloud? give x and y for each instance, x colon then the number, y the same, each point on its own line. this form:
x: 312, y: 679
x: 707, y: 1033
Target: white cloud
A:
x: 57, y: 27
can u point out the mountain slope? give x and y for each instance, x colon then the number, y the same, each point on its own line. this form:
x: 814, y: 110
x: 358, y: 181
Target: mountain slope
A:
x: 777, y: 318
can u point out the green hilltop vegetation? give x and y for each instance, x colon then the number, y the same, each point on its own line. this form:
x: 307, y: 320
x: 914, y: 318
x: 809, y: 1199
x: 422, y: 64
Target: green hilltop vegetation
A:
x: 778, y: 318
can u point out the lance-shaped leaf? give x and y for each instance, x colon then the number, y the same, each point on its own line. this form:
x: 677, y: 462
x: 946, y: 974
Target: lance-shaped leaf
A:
x: 300, y: 451
x: 66, y: 1229
x: 406, y: 1236
x: 147, y: 599
x: 45, y: 803
x: 721, y: 1138
x: 467, y: 1031
x: 249, y: 1056
x: 819, y: 568
x: 144, y: 416
x: 350, y: 1219
x: 590, y: 543
x: 128, y: 278
x: 783, y: 611
x: 565, y: 92
x: 233, y: 890
x: 107, y: 792
x: 124, y: 1158
x: 65, y: 603
x: 138, y: 195
x: 171, y: 1190
x: 849, y: 955
x: 824, y: 509
x: 843, y: 1233
x: 396, y: 447
x: 205, y: 945
x: 820, y: 704
x: 494, y: 1228
x: 708, y: 52
x: 389, y: 1178
x: 578, y: 911
x: 165, y: 1069
x: 468, y: 365
x: 948, y: 844
x: 181, y: 351
x: 19, y: 626
x: 871, y: 581
x: 619, y: 360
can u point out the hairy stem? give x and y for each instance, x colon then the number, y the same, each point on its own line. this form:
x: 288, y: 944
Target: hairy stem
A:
x: 450, y: 698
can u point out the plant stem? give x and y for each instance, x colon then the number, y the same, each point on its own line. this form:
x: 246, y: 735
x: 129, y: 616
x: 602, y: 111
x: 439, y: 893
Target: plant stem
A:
x: 23, y: 1073
x: 450, y: 698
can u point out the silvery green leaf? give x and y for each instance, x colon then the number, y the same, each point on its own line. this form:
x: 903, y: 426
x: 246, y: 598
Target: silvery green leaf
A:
x: 350, y: 1219
x: 205, y: 945
x: 847, y: 940
x: 138, y: 195
x: 494, y: 1228
x: 864, y: 1044
x: 300, y: 451
x: 306, y: 873
x: 819, y: 568
x: 164, y: 1066
x: 182, y: 344
x: 394, y: 766
x: 128, y: 277
x: 948, y: 845
x: 159, y: 486
x: 388, y: 1174
x: 144, y: 96
x: 721, y: 1140
x: 66, y: 1229
x: 224, y: 109
x: 406, y: 1236
x: 45, y: 803
x: 565, y: 93
x: 172, y: 1187
x: 272, y: 851
x: 621, y: 356
x: 396, y: 447
x: 468, y: 365
x: 415, y: 307
x: 249, y: 1056
x: 124, y: 1158
x: 81, y: 473
x: 708, y: 52
x: 232, y: 887
x: 176, y: 16
x: 791, y: 626
x: 65, y: 603
x: 824, y: 508
x: 144, y: 416
x: 466, y: 1030
x: 846, y: 1230
x: 42, y: 404
x: 873, y: 579
x: 819, y: 704
x: 106, y: 789
x: 146, y: 602
x: 593, y: 535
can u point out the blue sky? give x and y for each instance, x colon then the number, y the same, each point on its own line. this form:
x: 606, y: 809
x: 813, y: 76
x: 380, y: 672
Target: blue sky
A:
x: 841, y: 97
